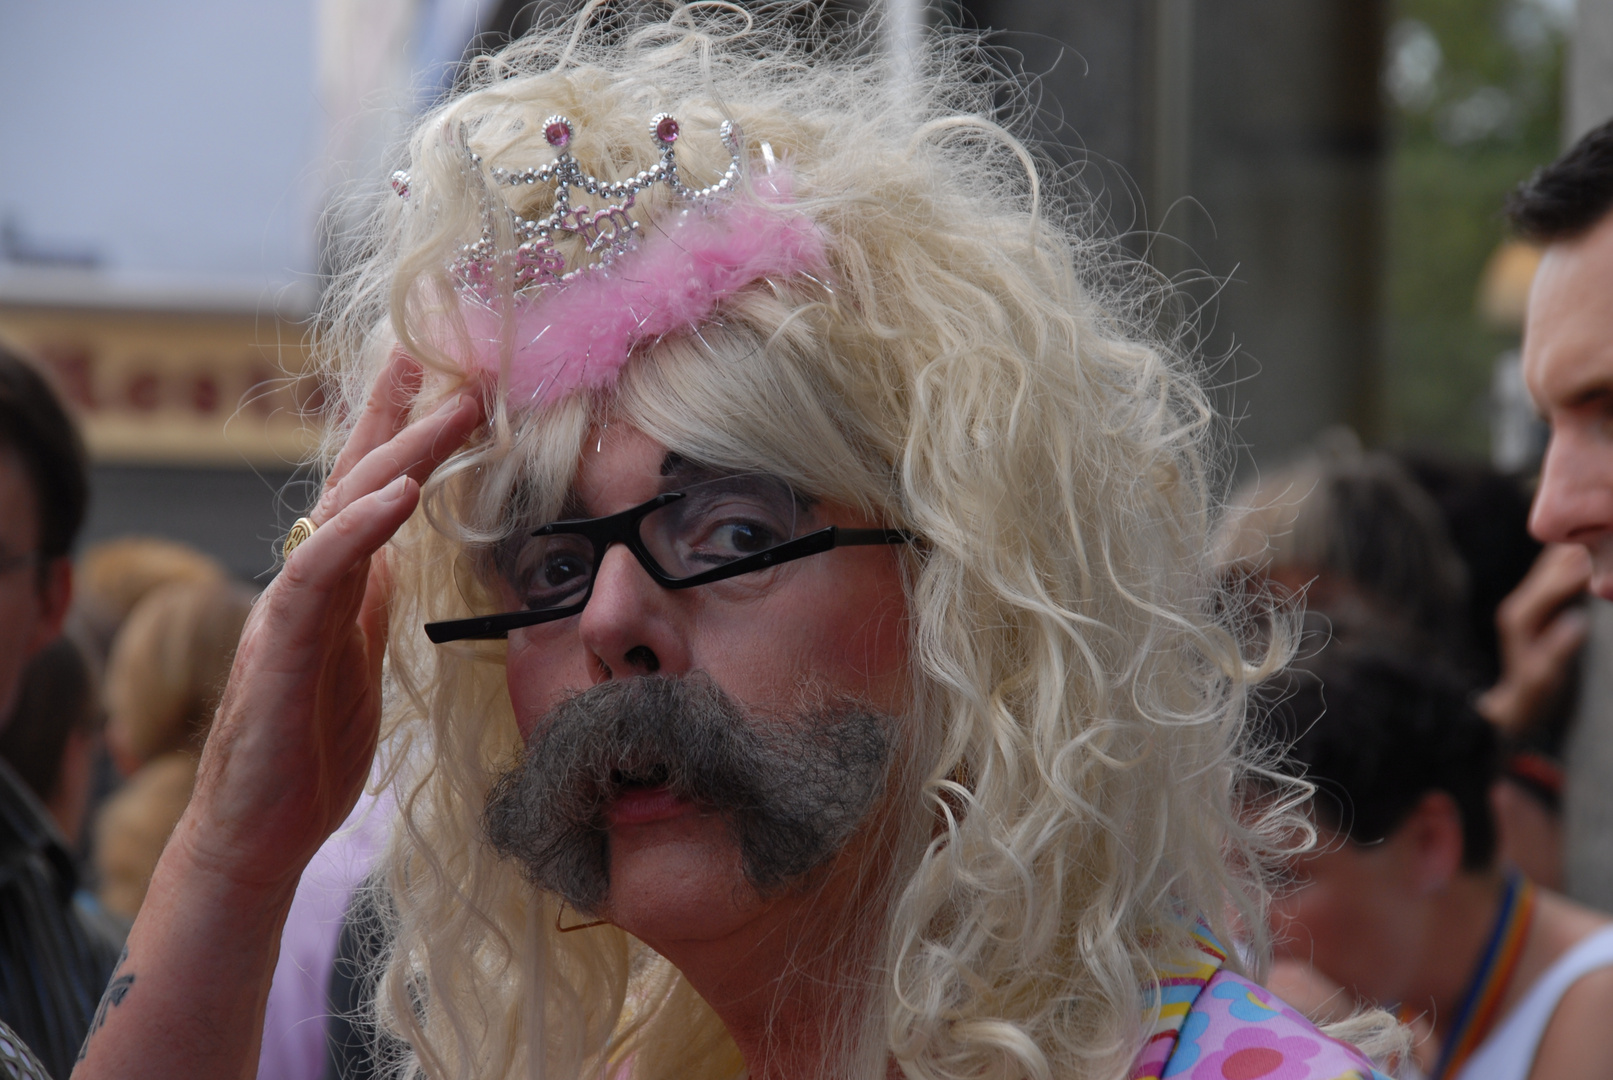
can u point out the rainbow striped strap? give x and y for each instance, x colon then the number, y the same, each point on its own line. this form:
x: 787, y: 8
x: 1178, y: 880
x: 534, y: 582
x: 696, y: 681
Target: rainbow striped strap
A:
x: 1489, y: 983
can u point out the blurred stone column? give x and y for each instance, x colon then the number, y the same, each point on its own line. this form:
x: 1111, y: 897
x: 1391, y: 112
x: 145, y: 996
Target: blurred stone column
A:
x: 1589, y: 73
x: 1588, y: 798
x: 1247, y: 135
x: 1288, y: 154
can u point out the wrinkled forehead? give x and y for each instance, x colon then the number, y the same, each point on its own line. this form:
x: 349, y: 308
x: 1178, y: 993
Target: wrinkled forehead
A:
x: 621, y: 467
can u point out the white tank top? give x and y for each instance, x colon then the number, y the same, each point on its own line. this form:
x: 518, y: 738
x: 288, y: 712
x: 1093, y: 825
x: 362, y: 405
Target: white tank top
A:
x: 1509, y: 1051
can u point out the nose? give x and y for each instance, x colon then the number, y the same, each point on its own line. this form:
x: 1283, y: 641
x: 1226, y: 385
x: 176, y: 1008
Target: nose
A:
x: 631, y: 625
x: 1574, y: 502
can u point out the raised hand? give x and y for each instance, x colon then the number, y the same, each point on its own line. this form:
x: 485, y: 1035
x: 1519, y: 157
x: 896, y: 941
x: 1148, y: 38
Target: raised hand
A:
x: 1541, y: 627
x: 292, y: 742
x: 285, y: 761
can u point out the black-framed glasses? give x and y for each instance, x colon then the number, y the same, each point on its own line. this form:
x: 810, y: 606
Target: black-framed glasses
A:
x: 703, y: 533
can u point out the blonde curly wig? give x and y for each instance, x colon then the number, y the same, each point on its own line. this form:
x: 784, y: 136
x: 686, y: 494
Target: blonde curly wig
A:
x: 978, y: 367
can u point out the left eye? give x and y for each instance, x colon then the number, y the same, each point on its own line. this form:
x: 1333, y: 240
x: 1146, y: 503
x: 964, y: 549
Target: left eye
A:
x: 713, y: 525
x: 740, y: 538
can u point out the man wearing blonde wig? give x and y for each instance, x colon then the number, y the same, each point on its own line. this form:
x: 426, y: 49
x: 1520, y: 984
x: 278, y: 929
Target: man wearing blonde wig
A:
x: 822, y: 672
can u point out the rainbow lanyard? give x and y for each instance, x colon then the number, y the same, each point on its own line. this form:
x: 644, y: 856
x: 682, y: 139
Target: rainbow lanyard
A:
x: 1477, y: 1014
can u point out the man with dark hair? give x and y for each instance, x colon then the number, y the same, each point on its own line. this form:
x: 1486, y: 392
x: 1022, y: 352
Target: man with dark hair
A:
x: 1404, y: 901
x: 54, y: 960
x: 1568, y: 345
x: 54, y: 734
x: 1566, y: 198
x: 43, y: 494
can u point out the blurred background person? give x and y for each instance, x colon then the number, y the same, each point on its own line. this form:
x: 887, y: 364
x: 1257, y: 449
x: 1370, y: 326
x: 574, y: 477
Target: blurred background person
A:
x: 1528, y: 670
x: 1566, y: 209
x: 53, y: 742
x: 1430, y: 545
x: 167, y: 668
x: 111, y: 577
x: 54, y: 960
x: 1405, y: 901
x: 1351, y: 530
x: 1567, y: 361
x: 55, y: 734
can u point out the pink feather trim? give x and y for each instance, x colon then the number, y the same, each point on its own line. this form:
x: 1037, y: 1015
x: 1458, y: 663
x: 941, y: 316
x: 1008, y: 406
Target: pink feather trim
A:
x: 579, y: 334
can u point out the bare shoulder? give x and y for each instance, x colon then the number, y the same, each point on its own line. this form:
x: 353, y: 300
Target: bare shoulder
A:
x: 1578, y: 1041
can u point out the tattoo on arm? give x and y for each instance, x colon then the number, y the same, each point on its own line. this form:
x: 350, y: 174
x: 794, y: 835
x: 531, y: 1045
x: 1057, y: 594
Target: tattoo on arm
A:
x: 116, y: 991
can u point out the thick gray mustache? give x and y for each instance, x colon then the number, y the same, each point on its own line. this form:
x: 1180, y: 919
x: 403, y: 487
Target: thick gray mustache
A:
x: 792, y: 792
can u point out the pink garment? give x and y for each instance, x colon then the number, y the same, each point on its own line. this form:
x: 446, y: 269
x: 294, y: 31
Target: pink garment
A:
x: 1237, y: 1030
x: 294, y: 1023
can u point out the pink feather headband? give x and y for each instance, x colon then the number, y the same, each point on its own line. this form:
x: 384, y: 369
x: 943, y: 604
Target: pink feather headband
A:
x: 578, y: 333
x: 577, y: 329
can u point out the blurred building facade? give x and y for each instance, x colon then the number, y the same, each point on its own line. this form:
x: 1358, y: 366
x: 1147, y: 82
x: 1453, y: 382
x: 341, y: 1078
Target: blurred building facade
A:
x: 157, y: 249
x: 195, y: 414
x: 168, y: 165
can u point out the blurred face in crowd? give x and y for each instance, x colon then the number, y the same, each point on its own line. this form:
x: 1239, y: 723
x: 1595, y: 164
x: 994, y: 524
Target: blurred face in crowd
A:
x: 1568, y: 365
x: 33, y: 599
x: 1363, y: 914
x: 830, y: 627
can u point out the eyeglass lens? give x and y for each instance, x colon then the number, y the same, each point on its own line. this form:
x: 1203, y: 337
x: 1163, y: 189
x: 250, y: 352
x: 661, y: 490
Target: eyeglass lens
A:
x: 707, y: 526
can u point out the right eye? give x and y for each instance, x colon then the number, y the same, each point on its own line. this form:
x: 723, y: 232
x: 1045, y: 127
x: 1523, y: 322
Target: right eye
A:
x: 553, y: 571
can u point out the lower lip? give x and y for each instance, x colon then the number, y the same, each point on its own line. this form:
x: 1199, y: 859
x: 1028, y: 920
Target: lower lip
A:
x: 640, y: 806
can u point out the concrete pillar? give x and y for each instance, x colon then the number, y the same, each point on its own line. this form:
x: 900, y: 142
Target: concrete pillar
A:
x: 1248, y: 133
x: 1093, y: 98
x: 1589, y: 75
x: 1287, y: 155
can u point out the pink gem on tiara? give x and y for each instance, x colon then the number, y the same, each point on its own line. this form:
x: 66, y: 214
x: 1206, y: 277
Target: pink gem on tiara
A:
x: 664, y: 130
x: 557, y: 132
x: 606, y: 232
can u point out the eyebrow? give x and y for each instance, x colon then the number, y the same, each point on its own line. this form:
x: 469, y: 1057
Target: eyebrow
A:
x: 678, y: 470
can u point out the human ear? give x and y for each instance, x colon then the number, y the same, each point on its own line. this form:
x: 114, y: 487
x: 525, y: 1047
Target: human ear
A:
x: 55, y: 592
x: 1434, y: 831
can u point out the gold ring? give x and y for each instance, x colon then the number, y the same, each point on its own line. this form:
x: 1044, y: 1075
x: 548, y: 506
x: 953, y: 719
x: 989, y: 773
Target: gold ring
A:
x: 301, y: 529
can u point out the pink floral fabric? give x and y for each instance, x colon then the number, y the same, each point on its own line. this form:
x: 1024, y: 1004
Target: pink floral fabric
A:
x: 1237, y: 1030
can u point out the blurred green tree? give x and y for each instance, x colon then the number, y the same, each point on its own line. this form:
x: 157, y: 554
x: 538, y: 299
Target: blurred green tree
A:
x: 1474, y: 92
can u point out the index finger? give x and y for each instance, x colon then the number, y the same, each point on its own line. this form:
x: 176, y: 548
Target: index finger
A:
x: 1562, y: 572
x: 386, y: 411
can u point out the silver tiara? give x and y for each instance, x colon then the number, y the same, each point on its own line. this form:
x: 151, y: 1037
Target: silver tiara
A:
x: 605, y: 232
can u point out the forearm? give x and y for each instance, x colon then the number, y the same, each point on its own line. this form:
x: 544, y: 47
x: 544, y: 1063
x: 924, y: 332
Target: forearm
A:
x: 287, y: 756
x: 188, y: 997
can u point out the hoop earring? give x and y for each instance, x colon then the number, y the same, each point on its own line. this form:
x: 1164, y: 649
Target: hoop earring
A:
x: 559, y: 912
